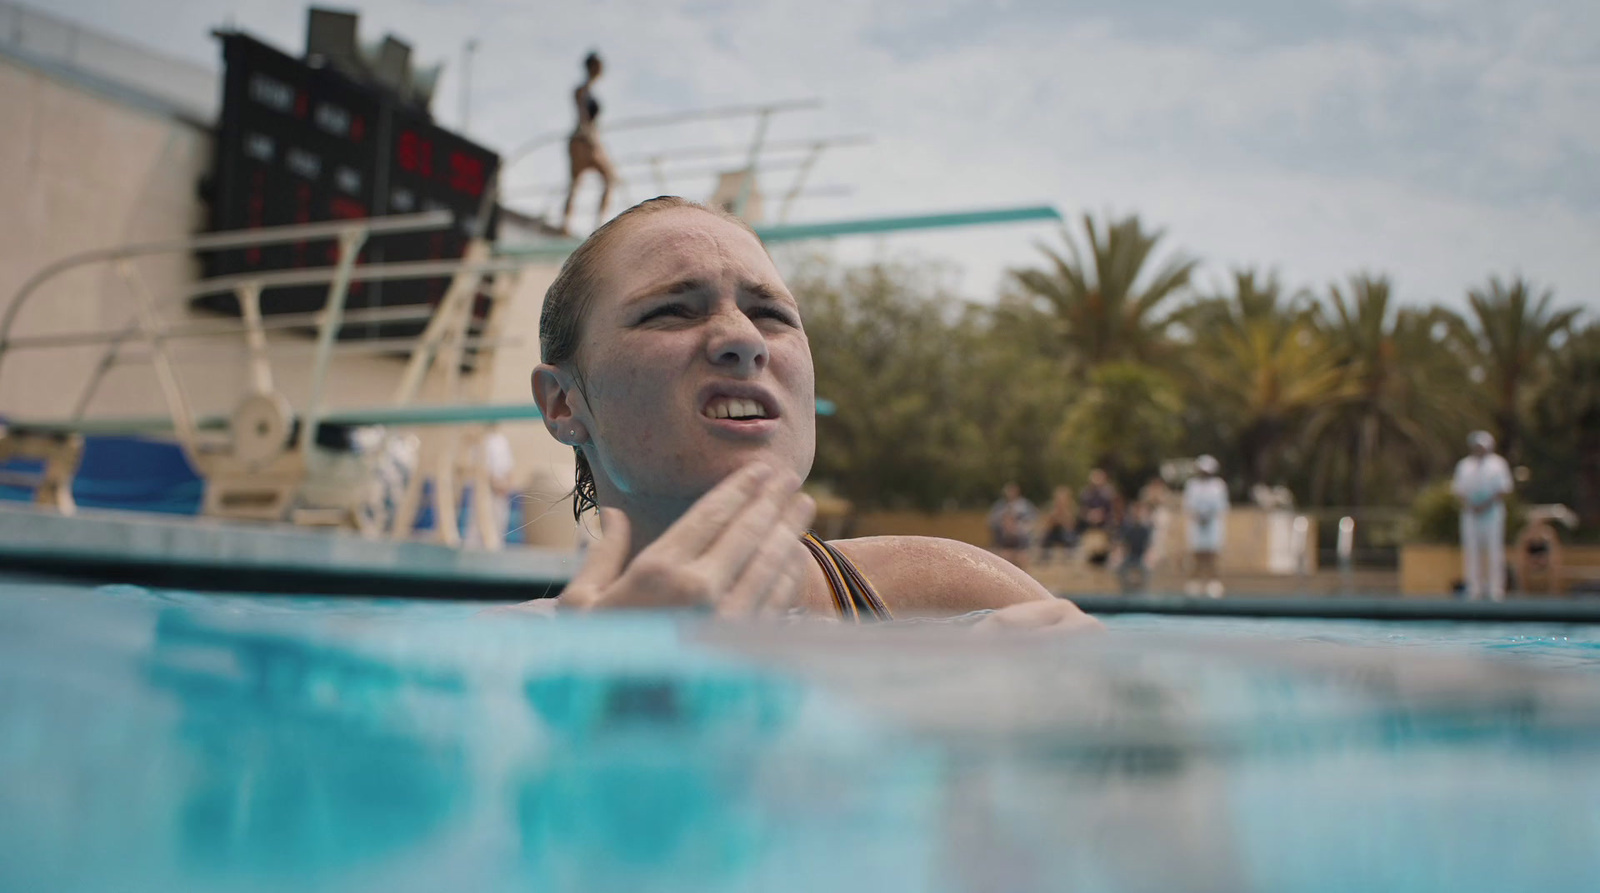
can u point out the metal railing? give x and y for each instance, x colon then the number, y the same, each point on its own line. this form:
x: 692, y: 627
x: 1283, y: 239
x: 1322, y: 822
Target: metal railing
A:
x: 445, y: 339
x: 1367, y: 537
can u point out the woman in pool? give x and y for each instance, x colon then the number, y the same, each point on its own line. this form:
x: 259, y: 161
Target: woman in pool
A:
x: 677, y: 366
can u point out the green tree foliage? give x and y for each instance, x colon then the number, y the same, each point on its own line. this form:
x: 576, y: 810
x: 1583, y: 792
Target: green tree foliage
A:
x: 1018, y: 397
x: 1101, y: 303
x: 1508, y: 344
x: 1400, y: 410
x: 1127, y: 419
x: 1565, y: 459
x: 1100, y: 356
x: 1260, y: 367
x: 934, y: 403
x: 889, y: 348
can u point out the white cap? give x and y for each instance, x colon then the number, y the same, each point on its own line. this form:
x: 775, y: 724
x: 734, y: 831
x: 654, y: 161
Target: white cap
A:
x: 1481, y: 439
x: 1208, y: 464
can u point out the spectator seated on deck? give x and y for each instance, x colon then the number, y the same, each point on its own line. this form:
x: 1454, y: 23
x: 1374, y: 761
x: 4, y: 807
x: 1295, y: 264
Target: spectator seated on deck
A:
x: 1537, y: 556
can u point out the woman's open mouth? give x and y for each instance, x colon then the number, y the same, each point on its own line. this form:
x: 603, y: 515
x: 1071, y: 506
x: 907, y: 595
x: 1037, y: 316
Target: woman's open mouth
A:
x: 739, y: 410
x: 749, y: 412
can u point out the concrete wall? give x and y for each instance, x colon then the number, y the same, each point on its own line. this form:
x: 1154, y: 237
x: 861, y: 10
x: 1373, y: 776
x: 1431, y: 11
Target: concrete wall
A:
x: 1435, y: 569
x: 79, y: 171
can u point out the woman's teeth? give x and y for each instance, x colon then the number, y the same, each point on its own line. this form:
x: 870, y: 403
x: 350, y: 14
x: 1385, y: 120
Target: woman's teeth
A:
x: 729, y: 408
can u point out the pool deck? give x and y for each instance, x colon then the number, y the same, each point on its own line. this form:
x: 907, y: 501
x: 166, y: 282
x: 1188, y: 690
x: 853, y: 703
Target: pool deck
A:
x: 225, y: 556
x: 1514, y: 610
x: 201, y: 553
x: 1073, y: 579
x: 1358, y: 595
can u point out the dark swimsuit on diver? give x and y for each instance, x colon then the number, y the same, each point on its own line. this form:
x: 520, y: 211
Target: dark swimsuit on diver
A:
x: 853, y: 597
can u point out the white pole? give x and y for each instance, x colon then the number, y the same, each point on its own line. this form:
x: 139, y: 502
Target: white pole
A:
x: 466, y: 82
x: 350, y: 242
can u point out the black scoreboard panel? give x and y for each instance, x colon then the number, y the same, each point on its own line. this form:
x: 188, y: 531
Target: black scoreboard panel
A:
x: 298, y: 144
x: 428, y: 168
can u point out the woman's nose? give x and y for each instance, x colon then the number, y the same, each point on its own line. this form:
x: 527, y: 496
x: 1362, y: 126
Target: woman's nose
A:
x: 736, y: 343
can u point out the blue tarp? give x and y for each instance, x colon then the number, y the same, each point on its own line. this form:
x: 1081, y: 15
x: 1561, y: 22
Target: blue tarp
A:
x: 124, y: 473
x: 154, y: 476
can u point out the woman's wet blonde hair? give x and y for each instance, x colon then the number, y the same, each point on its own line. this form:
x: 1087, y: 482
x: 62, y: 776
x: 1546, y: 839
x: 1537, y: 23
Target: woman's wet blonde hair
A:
x: 567, y: 302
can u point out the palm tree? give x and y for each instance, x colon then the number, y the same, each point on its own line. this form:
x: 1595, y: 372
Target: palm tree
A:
x: 1262, y: 367
x: 1251, y: 298
x: 1400, y: 408
x: 1102, y: 303
x: 1508, y: 343
x: 1567, y: 417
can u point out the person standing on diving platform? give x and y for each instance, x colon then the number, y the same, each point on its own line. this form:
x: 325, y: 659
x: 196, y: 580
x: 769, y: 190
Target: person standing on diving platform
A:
x: 583, y: 147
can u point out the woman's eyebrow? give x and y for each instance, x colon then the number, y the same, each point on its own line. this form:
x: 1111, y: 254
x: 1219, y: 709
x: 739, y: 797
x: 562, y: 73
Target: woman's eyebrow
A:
x: 677, y: 287
x: 765, y: 292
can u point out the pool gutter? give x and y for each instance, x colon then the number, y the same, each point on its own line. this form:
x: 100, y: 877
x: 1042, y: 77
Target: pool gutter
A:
x: 1514, y: 610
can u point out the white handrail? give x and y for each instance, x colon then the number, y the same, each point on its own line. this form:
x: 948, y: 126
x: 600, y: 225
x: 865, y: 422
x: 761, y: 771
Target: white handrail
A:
x: 212, y: 328
x: 411, y: 269
x: 271, y: 235
x: 154, y: 334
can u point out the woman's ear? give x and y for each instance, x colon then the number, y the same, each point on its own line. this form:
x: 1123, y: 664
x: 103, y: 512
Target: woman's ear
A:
x: 560, y: 404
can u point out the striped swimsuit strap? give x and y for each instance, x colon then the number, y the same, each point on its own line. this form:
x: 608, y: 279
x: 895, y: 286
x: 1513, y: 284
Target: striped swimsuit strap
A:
x: 853, y: 597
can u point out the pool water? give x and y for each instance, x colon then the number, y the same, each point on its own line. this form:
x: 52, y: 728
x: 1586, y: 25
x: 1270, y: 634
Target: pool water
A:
x: 178, y: 741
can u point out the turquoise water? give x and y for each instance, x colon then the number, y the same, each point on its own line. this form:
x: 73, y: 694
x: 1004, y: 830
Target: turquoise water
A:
x: 173, y: 741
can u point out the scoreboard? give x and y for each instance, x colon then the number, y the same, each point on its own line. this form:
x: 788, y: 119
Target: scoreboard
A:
x: 302, y: 144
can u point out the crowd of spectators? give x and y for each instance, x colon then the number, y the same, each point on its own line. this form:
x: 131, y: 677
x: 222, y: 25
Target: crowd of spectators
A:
x: 1101, y: 528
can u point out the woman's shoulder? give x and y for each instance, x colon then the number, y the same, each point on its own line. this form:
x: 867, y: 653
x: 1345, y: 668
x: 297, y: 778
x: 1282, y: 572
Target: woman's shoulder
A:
x: 923, y: 574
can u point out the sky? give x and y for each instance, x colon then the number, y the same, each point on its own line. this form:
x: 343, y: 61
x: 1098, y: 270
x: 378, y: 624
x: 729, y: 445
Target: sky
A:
x: 1436, y: 141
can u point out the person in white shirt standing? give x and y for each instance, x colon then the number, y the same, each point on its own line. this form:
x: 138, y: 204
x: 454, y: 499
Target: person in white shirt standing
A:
x: 492, y: 489
x: 1205, y: 508
x: 1482, y: 482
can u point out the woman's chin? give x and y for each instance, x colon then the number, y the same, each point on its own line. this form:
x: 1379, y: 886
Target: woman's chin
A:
x: 725, y: 459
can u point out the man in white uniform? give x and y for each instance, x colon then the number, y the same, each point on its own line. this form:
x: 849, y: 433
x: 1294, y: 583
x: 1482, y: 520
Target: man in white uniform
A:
x: 1482, y: 482
x: 492, y: 484
x: 1205, y: 508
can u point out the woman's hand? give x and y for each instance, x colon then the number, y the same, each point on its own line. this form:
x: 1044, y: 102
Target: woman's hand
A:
x: 1055, y: 615
x: 736, y: 551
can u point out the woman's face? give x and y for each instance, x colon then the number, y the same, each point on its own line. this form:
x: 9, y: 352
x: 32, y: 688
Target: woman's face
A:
x: 693, y: 361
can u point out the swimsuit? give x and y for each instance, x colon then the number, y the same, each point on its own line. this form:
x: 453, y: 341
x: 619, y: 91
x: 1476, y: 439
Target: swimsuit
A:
x: 586, y: 130
x: 853, y: 596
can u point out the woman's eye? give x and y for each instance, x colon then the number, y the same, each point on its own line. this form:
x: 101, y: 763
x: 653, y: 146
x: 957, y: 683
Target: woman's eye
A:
x: 677, y: 310
x: 776, y: 313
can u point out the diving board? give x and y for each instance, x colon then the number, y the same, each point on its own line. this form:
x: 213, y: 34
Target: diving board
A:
x: 797, y: 232
x: 411, y: 415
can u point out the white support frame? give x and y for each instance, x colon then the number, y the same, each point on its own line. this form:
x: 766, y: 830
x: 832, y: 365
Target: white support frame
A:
x: 266, y: 490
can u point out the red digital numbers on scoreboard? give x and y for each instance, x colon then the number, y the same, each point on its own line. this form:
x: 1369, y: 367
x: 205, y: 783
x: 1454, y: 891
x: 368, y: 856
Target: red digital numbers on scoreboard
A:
x: 414, y: 153
x: 466, y: 173
x: 341, y: 208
